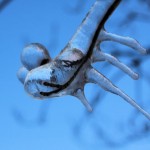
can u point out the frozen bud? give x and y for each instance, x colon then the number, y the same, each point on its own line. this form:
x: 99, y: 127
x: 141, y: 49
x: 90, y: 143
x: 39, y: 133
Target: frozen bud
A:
x: 34, y: 55
x: 22, y: 73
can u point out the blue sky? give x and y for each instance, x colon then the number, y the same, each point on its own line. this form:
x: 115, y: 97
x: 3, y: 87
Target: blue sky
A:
x: 51, y: 23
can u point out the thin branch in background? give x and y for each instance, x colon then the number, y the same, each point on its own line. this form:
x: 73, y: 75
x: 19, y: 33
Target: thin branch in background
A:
x: 43, y: 113
x: 41, y: 118
x: 147, y: 2
x: 135, y: 16
x: 105, y: 137
x: 123, y: 53
x: 75, y: 9
x: 54, y: 37
x: 4, y: 3
x: 135, y: 136
x: 147, y: 77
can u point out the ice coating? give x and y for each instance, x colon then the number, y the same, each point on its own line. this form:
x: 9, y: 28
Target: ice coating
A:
x: 68, y: 73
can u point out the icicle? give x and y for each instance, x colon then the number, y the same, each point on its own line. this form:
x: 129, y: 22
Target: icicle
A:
x: 105, y: 36
x: 101, y: 56
x: 80, y: 95
x: 95, y: 77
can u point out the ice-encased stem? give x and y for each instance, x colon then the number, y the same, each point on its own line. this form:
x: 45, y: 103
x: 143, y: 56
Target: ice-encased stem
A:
x: 97, y: 16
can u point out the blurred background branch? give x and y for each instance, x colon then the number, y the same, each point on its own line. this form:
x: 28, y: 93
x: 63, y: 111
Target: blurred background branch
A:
x: 4, y: 3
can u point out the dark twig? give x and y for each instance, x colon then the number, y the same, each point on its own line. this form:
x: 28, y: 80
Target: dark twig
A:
x: 4, y: 3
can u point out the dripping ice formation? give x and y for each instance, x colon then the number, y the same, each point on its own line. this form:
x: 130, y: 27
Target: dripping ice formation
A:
x: 68, y: 73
